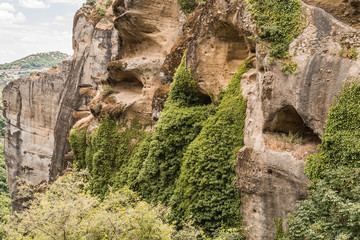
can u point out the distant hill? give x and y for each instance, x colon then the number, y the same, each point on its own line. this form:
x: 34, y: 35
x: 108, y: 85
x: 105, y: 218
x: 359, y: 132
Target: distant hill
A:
x: 39, y: 60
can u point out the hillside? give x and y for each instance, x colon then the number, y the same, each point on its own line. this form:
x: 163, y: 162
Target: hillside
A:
x: 35, y: 61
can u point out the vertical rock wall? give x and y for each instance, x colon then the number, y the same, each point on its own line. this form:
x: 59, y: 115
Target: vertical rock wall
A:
x: 38, y: 109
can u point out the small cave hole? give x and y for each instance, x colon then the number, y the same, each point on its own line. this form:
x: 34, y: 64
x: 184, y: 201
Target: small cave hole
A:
x: 254, y: 210
x: 127, y: 86
x: 204, y: 99
x: 287, y: 121
x: 269, y: 171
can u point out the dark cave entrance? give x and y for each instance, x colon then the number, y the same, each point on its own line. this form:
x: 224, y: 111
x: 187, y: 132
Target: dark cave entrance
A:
x: 287, y: 121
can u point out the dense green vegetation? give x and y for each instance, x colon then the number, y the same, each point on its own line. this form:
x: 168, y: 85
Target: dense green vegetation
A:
x: 206, y: 187
x: 180, y: 123
x: 67, y: 211
x: 39, y: 60
x: 109, y: 149
x: 5, y: 203
x: 187, y: 163
x: 340, y: 144
x: 278, y: 22
x: 188, y: 6
x: 333, y: 208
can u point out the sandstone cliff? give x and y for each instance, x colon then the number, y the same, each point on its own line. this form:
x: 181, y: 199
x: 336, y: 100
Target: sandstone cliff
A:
x: 125, y: 60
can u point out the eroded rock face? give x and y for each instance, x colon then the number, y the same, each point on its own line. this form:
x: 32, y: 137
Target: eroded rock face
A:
x: 31, y: 106
x: 270, y: 177
x: 39, y: 109
x: 346, y: 10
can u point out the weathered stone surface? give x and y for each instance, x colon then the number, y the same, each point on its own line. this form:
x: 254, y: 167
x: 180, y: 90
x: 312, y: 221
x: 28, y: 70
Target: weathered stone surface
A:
x: 31, y: 107
x: 38, y: 110
x: 271, y: 179
x: 346, y: 10
x: 270, y: 183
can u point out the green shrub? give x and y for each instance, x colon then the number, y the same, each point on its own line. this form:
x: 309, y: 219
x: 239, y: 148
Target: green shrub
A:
x: 340, y: 144
x: 66, y: 211
x: 78, y: 146
x: 280, y: 234
x: 352, y: 54
x: 278, y: 22
x: 332, y: 210
x: 188, y: 6
x: 288, y: 68
x: 131, y: 169
x: 206, y: 189
x: 101, y: 10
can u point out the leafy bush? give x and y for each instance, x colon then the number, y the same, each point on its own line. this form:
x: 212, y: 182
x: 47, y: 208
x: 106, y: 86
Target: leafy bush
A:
x: 278, y: 21
x: 288, y: 68
x: 101, y: 10
x: 206, y: 189
x: 176, y: 129
x: 332, y: 210
x: 188, y: 6
x: 66, y: 211
x: 352, y: 54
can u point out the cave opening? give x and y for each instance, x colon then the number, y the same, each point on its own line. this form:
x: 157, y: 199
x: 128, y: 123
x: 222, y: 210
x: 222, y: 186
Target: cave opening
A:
x: 288, y: 121
x: 126, y: 86
x: 204, y: 99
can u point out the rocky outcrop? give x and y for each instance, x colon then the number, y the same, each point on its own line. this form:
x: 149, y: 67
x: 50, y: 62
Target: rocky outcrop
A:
x: 270, y: 175
x: 125, y: 60
x: 31, y: 107
x: 346, y: 10
x: 38, y: 110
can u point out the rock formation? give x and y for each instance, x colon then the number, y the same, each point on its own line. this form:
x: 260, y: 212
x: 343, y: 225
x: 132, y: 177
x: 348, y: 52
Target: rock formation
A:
x: 133, y: 51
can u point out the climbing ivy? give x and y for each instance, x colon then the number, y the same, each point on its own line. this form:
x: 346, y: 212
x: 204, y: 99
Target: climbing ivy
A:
x: 206, y: 189
x: 110, y: 148
x: 278, y: 22
x: 78, y: 146
x: 128, y: 176
x: 341, y: 142
x: 180, y: 123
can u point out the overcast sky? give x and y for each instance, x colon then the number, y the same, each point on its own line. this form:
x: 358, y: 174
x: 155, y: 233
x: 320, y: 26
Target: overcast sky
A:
x: 33, y: 26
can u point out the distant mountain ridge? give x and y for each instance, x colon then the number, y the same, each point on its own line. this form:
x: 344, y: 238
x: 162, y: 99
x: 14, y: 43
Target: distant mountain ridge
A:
x: 39, y: 60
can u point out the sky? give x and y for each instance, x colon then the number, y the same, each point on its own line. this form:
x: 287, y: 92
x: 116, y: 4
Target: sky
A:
x: 34, y: 26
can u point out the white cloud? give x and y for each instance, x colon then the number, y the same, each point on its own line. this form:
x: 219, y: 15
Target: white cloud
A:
x: 7, y: 7
x: 8, y: 14
x: 68, y: 2
x: 59, y: 18
x: 33, y: 4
